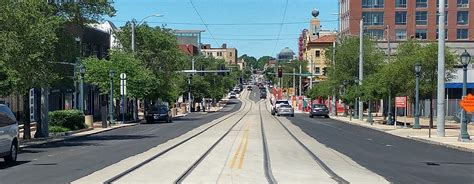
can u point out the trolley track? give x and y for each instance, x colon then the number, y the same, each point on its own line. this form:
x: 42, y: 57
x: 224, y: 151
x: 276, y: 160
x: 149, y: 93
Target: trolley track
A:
x: 328, y: 170
x: 141, y: 164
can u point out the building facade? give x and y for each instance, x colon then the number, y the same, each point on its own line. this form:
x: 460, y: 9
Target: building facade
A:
x: 399, y: 20
x: 285, y: 55
x: 227, y: 54
x: 313, y: 44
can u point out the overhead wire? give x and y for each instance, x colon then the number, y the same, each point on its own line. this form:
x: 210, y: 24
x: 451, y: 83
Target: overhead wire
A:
x: 281, y: 27
x: 202, y: 20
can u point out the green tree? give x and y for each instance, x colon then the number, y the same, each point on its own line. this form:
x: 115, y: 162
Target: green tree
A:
x: 158, y: 49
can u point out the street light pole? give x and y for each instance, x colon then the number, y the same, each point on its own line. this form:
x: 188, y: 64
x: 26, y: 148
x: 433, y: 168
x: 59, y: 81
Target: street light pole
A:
x: 417, y: 96
x: 440, y: 129
x: 465, y: 59
x: 300, y: 87
x: 82, y: 71
x: 111, y: 96
x: 361, y: 65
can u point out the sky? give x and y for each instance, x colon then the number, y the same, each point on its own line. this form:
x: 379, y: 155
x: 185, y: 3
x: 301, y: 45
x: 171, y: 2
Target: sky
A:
x: 251, y: 26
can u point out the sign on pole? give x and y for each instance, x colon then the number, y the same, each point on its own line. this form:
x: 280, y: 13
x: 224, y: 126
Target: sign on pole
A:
x: 467, y: 103
x: 123, y: 84
x: 400, y: 101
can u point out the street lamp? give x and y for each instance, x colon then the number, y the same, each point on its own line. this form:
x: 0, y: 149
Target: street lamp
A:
x: 417, y: 96
x: 465, y: 59
x: 133, y: 28
x: 82, y: 71
x: 111, y: 96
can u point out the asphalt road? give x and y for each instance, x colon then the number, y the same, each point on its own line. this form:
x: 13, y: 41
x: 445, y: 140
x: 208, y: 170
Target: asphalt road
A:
x: 399, y: 160
x: 66, y: 161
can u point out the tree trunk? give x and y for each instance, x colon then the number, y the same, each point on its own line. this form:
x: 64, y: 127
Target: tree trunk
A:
x: 26, y: 117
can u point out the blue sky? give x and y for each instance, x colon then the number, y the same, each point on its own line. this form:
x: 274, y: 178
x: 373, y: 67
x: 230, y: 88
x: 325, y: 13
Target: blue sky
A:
x: 255, y: 40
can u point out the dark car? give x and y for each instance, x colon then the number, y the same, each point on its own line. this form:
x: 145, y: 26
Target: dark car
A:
x: 319, y: 110
x: 249, y: 88
x: 263, y: 95
x: 158, y: 113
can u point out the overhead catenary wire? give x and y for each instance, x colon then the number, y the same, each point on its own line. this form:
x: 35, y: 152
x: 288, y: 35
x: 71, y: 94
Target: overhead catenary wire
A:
x: 202, y: 20
x: 281, y: 27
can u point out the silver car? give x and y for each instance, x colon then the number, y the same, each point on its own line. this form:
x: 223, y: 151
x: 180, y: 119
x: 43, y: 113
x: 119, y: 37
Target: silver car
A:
x: 8, y: 135
x: 285, y: 110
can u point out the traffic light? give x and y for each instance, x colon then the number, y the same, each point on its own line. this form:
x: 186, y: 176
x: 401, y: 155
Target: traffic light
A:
x: 324, y: 71
x: 280, y: 72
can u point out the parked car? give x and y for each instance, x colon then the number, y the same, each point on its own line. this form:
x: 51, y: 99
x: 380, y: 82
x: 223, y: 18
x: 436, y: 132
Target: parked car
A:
x: 319, y: 110
x: 277, y: 104
x: 285, y: 110
x: 249, y: 88
x: 232, y: 95
x: 158, y: 113
x: 263, y: 95
x: 8, y: 135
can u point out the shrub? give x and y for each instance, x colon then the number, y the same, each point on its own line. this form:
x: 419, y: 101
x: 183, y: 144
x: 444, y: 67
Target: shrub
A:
x: 70, y: 119
x: 56, y: 129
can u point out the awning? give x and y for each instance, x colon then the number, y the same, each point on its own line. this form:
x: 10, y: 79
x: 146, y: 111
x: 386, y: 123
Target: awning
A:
x: 458, y: 85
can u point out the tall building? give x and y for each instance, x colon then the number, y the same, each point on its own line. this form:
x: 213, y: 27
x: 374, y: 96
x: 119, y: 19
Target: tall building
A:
x: 285, y: 55
x: 227, y: 54
x: 313, y: 44
x: 399, y: 20
x: 189, y: 41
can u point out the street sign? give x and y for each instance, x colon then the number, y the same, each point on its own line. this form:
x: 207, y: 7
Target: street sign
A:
x: 401, y: 101
x: 467, y: 103
x: 123, y: 84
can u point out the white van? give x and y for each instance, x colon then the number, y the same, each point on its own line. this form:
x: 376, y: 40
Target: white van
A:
x: 8, y: 135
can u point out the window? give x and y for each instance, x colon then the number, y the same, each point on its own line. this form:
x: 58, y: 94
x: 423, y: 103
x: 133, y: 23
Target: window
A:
x: 445, y: 3
x: 420, y: 34
x: 462, y: 34
x: 401, y: 18
x: 318, y: 53
x: 372, y: 3
x: 318, y: 70
x: 219, y: 53
x: 463, y: 17
x: 421, y: 3
x: 373, y: 18
x: 445, y: 18
x: 401, y: 34
x: 421, y: 18
x: 401, y: 3
x: 230, y: 54
x: 445, y: 34
x: 375, y: 33
x: 463, y: 3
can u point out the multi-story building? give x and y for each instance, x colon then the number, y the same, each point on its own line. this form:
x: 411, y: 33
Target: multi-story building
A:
x: 313, y: 44
x: 189, y: 41
x: 227, y: 54
x: 399, y: 20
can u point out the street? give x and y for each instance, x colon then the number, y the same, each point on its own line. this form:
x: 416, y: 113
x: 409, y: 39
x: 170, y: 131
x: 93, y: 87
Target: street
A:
x: 242, y: 143
x: 66, y: 161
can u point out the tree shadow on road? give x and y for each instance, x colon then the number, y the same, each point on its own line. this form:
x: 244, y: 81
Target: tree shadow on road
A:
x: 4, y: 165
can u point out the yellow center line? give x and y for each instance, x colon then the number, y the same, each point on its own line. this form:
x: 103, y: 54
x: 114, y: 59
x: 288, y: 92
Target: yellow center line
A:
x: 245, y: 149
x: 234, y: 158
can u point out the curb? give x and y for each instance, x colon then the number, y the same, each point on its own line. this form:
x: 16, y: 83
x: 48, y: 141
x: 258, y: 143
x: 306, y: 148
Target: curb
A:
x: 412, y: 138
x: 72, y: 136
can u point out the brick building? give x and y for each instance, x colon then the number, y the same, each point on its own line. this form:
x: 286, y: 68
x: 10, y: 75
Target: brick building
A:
x: 399, y: 20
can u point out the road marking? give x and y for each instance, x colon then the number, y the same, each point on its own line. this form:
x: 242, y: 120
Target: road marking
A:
x: 241, y: 146
x: 245, y: 147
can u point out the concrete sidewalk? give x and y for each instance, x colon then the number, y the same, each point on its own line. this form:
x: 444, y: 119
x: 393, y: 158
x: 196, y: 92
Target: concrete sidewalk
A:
x: 451, y: 132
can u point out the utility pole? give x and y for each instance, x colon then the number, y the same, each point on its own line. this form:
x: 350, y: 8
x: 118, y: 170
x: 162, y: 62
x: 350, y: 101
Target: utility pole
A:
x: 294, y: 81
x: 440, y: 131
x: 136, y: 102
x: 300, y: 82
x: 311, y: 70
x: 333, y: 104
x: 133, y: 35
x: 361, y: 65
